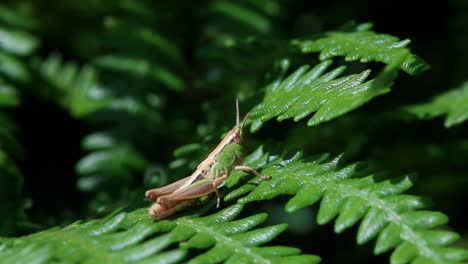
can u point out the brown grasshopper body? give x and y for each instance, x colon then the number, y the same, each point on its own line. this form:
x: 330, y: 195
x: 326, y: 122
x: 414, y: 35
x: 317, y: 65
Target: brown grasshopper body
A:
x: 210, y: 173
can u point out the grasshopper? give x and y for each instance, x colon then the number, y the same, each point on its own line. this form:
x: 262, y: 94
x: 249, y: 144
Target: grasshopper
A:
x: 206, y: 179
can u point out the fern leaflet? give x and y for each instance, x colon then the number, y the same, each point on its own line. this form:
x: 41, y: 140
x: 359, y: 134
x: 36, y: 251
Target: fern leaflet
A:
x: 312, y: 90
x: 76, y: 88
x: 360, y: 43
x: 125, y: 89
x: 79, y: 91
x: 134, y: 238
x: 453, y: 104
x: 392, y: 217
x: 15, y: 44
x: 247, y: 20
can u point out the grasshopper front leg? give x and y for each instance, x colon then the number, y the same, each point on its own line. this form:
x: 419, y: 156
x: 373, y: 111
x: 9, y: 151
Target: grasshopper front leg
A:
x: 253, y: 171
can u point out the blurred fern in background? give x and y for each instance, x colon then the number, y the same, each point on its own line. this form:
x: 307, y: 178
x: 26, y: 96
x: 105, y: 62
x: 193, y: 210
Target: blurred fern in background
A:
x: 102, y: 100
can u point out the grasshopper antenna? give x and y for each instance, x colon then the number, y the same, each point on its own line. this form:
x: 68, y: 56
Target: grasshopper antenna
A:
x: 237, y: 112
x: 238, y: 119
x: 245, y: 121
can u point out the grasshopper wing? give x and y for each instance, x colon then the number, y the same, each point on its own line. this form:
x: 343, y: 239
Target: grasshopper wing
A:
x: 194, y: 191
x: 153, y: 194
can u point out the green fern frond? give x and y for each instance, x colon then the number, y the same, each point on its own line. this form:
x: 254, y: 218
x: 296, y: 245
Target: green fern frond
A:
x: 79, y: 91
x: 229, y: 33
x: 137, y: 68
x: 360, y: 43
x: 18, y: 18
x: 453, y: 104
x: 122, y: 93
x: 76, y: 88
x: 13, y: 68
x: 157, y: 58
x: 140, y: 67
x: 9, y: 96
x: 11, y: 181
x: 247, y: 18
x: 135, y: 238
x: 110, y: 158
x: 15, y: 44
x: 398, y: 221
x: 306, y: 91
x: 314, y: 90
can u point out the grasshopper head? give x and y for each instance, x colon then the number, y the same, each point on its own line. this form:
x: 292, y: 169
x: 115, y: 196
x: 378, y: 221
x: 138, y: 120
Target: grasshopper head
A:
x: 237, y: 134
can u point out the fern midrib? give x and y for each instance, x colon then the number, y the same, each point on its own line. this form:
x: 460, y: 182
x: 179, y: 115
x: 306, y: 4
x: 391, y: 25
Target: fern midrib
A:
x: 416, y: 239
x: 81, y: 242
x: 223, y: 239
x: 395, y: 217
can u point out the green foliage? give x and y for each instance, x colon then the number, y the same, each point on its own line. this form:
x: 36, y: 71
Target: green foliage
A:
x: 397, y: 220
x: 149, y: 81
x: 306, y: 91
x: 360, y: 43
x: 112, y: 152
x: 453, y: 104
x: 146, y: 62
x: 228, y: 32
x: 15, y: 43
x: 246, y: 19
x: 135, y: 238
x: 11, y: 178
x: 73, y: 87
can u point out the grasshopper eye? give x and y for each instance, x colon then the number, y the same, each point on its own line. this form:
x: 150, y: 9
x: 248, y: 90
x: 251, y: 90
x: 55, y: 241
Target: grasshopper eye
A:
x: 237, y: 137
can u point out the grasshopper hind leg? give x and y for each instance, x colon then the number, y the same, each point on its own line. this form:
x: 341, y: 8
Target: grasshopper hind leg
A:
x: 201, y: 188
